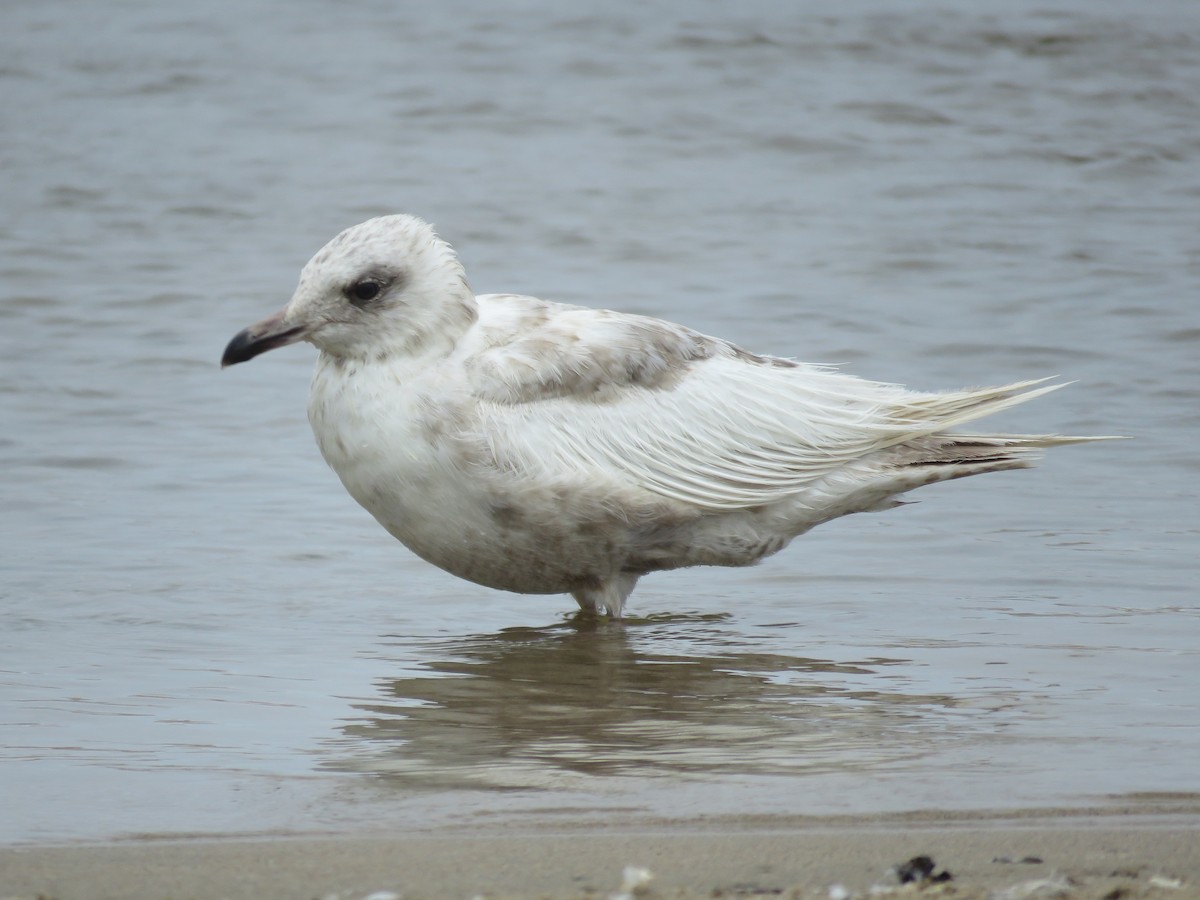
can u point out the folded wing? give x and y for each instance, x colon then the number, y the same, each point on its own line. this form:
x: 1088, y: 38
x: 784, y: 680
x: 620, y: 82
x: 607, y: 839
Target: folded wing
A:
x: 657, y: 406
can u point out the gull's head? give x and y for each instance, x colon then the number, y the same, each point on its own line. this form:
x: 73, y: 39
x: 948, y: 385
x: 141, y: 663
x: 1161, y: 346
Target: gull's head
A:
x: 386, y: 286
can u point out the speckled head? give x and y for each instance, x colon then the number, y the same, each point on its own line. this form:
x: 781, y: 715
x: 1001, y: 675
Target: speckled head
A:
x: 388, y: 286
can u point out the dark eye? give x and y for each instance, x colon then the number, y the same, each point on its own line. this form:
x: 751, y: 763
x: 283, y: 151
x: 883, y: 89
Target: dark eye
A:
x: 364, y: 291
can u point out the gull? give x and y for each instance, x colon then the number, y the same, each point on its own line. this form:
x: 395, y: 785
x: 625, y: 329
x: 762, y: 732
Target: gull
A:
x: 542, y: 448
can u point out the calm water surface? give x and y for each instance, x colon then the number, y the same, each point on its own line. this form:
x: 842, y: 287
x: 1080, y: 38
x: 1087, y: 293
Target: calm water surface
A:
x: 201, y: 634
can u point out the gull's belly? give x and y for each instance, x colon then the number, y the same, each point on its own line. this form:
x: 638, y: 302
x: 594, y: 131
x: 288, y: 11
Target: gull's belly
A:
x: 477, y: 532
x: 476, y: 535
x: 433, y: 496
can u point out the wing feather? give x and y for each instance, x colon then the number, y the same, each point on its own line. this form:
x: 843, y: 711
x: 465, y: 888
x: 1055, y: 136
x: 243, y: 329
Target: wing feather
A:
x: 688, y: 417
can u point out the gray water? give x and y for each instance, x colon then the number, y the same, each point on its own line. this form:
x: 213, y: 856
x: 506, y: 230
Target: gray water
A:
x: 201, y: 634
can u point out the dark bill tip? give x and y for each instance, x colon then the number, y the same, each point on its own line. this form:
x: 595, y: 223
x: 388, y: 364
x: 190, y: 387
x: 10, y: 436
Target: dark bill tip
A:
x: 250, y: 342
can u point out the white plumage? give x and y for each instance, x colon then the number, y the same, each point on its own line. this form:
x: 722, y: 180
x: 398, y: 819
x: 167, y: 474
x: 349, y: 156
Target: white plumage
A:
x: 543, y: 448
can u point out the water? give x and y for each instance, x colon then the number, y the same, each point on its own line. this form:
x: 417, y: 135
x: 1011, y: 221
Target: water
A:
x: 201, y: 634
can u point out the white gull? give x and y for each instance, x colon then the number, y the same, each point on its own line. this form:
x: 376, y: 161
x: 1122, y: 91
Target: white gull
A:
x: 542, y: 448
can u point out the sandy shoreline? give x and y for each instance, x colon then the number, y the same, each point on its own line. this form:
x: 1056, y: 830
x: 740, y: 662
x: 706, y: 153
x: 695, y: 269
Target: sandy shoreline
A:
x: 1094, y: 854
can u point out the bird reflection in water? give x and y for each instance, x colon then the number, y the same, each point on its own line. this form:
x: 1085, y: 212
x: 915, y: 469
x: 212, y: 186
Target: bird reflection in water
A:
x: 671, y: 695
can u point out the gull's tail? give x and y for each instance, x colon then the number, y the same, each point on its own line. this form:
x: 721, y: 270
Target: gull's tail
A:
x: 968, y: 454
x: 925, y: 450
x: 940, y: 455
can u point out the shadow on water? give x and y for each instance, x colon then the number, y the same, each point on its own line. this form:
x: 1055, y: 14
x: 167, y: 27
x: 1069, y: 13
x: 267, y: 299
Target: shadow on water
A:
x: 677, y: 696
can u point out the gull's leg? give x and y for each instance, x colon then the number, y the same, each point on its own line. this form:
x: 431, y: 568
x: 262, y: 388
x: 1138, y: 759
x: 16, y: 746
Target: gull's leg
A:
x: 609, y: 598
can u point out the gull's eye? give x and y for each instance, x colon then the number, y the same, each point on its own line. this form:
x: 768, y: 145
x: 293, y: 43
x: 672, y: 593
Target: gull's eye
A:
x: 364, y: 291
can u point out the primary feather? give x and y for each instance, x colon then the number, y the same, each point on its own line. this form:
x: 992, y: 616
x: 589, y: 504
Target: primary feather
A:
x: 544, y: 448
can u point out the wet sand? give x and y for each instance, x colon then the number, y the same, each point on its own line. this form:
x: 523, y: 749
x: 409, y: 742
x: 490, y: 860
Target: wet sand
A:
x: 1109, y: 854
